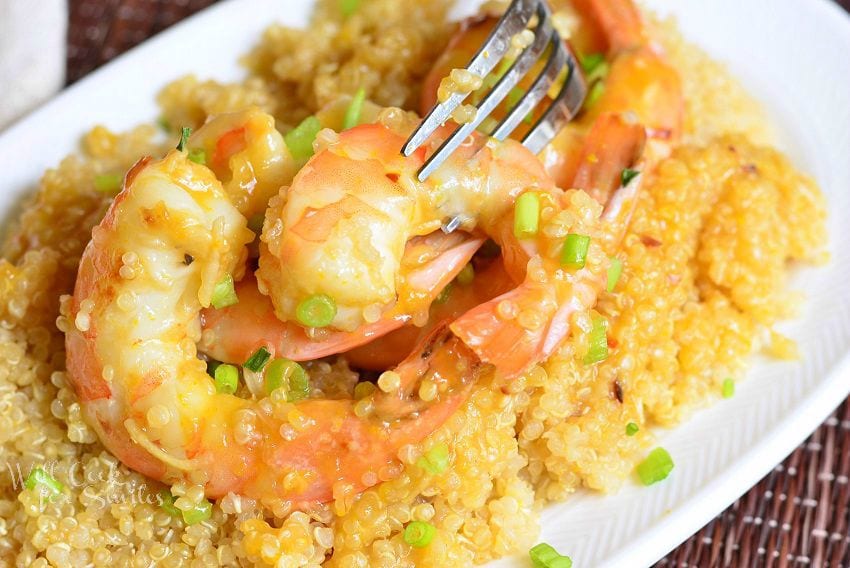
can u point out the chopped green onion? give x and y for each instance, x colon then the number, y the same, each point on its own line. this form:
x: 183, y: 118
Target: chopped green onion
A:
x: 596, y: 92
x: 348, y: 7
x: 628, y: 175
x: 504, y: 66
x: 436, y: 460
x: 419, y: 534
x: 513, y: 98
x: 299, y: 140
x: 108, y: 183
x: 284, y: 373
x: 352, y: 113
x: 257, y: 360
x: 591, y: 61
x: 488, y: 126
x: 444, y: 294
x: 185, y: 132
x: 614, y: 271
x: 226, y: 378
x: 631, y: 429
x: 545, y: 556
x: 167, y: 503
x: 200, y: 512
x: 224, y: 294
x: 466, y: 275
x: 656, y: 467
x: 728, y: 388
x: 318, y: 310
x: 212, y: 365
x: 39, y: 477
x: 598, y: 339
x: 526, y: 215
x: 198, y: 155
x: 574, y: 253
x: 595, y: 67
x: 163, y: 123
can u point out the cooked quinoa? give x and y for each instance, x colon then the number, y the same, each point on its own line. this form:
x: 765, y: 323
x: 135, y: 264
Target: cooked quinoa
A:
x: 705, y: 264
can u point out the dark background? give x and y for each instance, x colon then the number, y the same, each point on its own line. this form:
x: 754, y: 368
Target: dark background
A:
x: 797, y: 516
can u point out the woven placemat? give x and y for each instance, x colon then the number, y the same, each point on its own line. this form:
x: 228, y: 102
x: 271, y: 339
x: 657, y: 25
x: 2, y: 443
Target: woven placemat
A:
x: 799, y: 515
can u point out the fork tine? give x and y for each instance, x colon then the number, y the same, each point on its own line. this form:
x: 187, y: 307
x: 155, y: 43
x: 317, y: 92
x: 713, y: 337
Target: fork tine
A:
x: 562, y: 110
x: 513, y: 21
x: 538, y: 90
x: 517, y: 71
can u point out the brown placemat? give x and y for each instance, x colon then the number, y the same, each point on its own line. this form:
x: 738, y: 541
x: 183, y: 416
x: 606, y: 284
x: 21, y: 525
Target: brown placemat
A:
x: 799, y: 515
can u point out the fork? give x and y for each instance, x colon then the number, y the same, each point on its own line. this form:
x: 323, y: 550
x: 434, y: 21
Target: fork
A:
x: 564, y: 107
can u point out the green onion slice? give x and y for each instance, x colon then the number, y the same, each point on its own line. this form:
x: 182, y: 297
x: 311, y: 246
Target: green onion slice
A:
x: 299, y: 140
x: 185, y: 132
x: 656, y: 467
x: 436, y: 460
x: 614, y: 271
x: 596, y: 92
x: 226, y: 378
x: 348, y: 7
x: 39, y: 477
x: 628, y: 175
x: 284, y: 373
x: 595, y: 67
x: 257, y: 360
x: 200, y: 512
x: 598, y: 350
x: 574, y: 253
x: 419, y: 534
x: 444, y: 294
x: 526, y: 215
x: 108, y: 183
x: 198, y: 155
x: 632, y: 429
x: 317, y: 310
x: 466, y: 275
x: 166, y: 503
x: 728, y: 388
x: 224, y: 293
x: 545, y: 556
x: 352, y: 113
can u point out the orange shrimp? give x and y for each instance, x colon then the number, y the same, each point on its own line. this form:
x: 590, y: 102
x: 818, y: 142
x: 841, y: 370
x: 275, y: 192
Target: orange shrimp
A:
x: 235, y: 332
x: 638, y: 81
x: 133, y: 362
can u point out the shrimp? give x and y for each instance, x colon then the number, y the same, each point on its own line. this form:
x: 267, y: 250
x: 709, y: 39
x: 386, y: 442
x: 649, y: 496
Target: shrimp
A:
x: 381, y: 353
x: 342, y: 229
x: 233, y: 333
x: 248, y: 155
x: 638, y: 81
x: 152, y: 265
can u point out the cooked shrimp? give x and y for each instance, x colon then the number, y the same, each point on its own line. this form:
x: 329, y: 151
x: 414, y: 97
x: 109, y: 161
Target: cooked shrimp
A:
x: 151, y: 266
x: 638, y: 79
x: 341, y: 231
x: 455, y: 299
x: 247, y: 154
x: 233, y: 333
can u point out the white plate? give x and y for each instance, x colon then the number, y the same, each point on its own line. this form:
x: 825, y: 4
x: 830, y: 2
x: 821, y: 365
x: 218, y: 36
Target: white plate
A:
x: 792, y: 54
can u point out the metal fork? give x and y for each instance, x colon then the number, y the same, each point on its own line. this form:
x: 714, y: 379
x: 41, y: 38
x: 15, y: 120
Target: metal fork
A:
x: 566, y: 105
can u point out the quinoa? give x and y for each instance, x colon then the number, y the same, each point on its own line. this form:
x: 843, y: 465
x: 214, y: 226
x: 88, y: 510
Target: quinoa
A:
x: 704, y: 270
